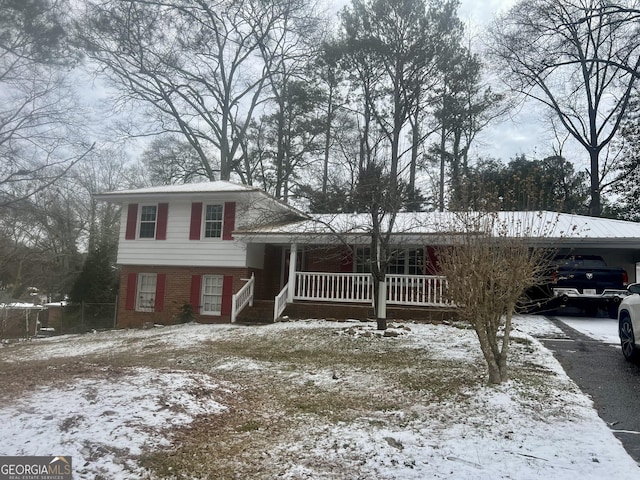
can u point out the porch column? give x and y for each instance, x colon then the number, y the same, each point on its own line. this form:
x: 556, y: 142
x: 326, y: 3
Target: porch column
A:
x: 293, y: 257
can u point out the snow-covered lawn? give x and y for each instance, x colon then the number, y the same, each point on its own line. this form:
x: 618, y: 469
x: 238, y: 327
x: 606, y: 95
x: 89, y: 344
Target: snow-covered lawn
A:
x: 306, y: 399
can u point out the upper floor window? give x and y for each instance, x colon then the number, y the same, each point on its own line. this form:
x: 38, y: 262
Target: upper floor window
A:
x: 148, y: 218
x: 213, y: 221
x: 147, y: 221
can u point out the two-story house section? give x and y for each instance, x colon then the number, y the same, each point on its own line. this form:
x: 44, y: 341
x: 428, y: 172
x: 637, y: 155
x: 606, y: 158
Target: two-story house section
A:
x: 177, y: 248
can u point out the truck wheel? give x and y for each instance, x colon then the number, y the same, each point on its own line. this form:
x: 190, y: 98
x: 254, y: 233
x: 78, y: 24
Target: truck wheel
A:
x: 612, y: 310
x: 627, y: 338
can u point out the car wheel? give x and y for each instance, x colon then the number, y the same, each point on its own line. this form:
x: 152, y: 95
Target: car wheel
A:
x: 627, y: 338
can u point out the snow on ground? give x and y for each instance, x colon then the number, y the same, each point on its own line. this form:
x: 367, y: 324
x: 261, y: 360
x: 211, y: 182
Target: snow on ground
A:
x: 115, y: 341
x: 602, y: 329
x: 496, y: 433
x: 101, y: 422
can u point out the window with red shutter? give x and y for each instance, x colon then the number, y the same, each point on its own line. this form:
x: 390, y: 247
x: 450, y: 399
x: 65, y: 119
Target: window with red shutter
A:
x: 161, y: 281
x: 195, y: 292
x: 163, y: 214
x: 196, y: 221
x: 229, y: 220
x: 132, y: 221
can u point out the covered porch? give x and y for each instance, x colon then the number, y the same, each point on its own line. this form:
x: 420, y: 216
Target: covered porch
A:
x: 305, y: 277
x: 323, y: 259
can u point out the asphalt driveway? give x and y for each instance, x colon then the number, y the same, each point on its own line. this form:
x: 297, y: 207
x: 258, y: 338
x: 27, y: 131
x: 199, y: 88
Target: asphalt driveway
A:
x: 597, y: 366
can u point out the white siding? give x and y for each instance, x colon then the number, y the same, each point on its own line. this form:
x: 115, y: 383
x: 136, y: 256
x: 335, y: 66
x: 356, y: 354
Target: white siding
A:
x: 177, y: 249
x: 255, y: 255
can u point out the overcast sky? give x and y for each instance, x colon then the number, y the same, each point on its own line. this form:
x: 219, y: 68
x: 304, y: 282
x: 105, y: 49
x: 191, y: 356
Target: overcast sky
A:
x: 526, y: 130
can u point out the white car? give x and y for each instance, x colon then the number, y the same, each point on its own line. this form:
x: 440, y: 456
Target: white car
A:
x: 629, y: 323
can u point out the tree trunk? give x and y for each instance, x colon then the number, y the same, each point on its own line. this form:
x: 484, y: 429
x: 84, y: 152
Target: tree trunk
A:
x: 327, y: 144
x: 442, y: 169
x: 491, y: 355
x: 595, y: 208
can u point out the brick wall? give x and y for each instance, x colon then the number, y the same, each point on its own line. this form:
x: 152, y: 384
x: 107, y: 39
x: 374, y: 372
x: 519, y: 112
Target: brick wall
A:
x: 177, y: 294
x: 301, y: 310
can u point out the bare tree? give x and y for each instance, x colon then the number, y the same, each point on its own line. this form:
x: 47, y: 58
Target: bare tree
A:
x: 576, y: 57
x: 39, y: 126
x: 201, y: 67
x: 395, y: 48
x: 489, y: 268
x: 171, y: 160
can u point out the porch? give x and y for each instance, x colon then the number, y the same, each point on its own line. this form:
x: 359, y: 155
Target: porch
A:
x: 346, y: 295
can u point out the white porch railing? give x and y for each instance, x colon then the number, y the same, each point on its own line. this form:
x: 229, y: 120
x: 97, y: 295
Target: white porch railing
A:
x: 281, y: 302
x: 334, y: 287
x: 243, y: 298
x: 415, y: 290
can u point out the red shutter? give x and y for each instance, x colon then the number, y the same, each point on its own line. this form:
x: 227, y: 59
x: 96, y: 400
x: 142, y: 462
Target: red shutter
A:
x: 161, y: 281
x: 196, y: 221
x: 130, y: 302
x: 132, y: 221
x: 196, y: 280
x: 431, y: 261
x: 229, y: 224
x: 161, y: 228
x: 227, y: 295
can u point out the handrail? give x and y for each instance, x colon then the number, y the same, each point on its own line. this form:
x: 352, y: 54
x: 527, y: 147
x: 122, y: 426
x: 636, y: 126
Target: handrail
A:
x: 243, y: 298
x: 280, y: 302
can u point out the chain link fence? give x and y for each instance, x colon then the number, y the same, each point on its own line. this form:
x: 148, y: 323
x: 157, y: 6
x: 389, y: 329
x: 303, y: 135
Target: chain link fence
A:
x: 79, y: 318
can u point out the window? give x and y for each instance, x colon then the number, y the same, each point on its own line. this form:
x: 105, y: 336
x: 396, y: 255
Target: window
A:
x: 415, y: 262
x: 212, y: 294
x: 397, y: 263
x: 404, y: 262
x: 213, y: 221
x: 148, y: 216
x: 146, y: 295
x: 407, y: 262
x: 363, y: 260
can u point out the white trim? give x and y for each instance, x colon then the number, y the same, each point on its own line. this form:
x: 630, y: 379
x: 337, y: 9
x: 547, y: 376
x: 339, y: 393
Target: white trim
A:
x: 203, y: 310
x: 139, y: 221
x: 139, y: 281
x: 203, y: 221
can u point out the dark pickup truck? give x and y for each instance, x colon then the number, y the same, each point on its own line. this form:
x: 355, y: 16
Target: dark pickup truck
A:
x: 586, y: 282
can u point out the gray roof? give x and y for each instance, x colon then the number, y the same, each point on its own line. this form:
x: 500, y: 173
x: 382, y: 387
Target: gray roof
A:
x: 219, y: 186
x: 541, y: 227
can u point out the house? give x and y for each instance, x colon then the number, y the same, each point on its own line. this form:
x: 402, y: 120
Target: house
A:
x: 216, y: 248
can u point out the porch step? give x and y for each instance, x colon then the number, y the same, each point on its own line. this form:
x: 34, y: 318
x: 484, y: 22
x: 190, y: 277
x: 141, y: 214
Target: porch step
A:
x: 260, y: 312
